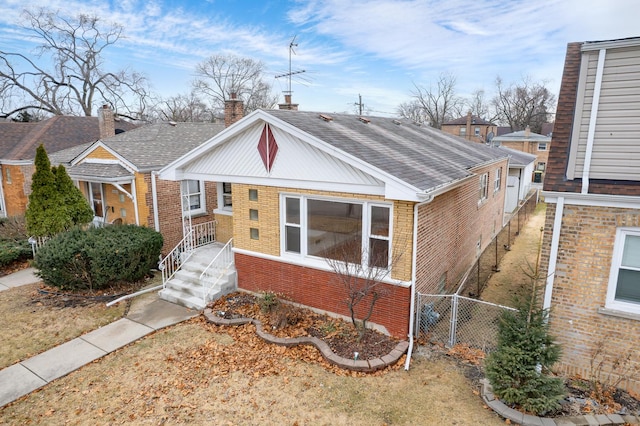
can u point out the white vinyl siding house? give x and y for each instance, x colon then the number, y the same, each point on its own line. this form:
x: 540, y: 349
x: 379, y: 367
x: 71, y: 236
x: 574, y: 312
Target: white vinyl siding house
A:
x: 606, y: 125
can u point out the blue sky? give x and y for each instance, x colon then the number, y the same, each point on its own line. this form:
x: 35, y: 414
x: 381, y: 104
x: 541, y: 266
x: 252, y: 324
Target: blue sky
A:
x: 375, y: 48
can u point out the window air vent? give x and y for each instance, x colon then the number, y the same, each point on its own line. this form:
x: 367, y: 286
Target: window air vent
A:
x: 326, y: 117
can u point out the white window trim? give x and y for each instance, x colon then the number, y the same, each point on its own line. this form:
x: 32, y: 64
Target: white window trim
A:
x: 221, y: 209
x: 542, y: 144
x: 484, y: 188
x: 203, y: 204
x: 497, y: 181
x: 320, y: 262
x: 616, y: 261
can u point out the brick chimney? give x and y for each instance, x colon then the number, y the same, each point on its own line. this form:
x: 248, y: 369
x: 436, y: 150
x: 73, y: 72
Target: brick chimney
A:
x: 233, y: 110
x: 106, y: 124
x: 287, y: 104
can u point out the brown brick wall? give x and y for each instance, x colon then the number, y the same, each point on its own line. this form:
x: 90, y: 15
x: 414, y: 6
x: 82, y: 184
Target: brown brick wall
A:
x: 316, y: 288
x: 450, y: 227
x: 170, y: 210
x: 555, y: 176
x: 580, y: 286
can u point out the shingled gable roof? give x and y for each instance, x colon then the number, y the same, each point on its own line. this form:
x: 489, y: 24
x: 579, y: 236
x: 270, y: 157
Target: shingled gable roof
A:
x: 522, y: 136
x: 421, y: 157
x: 18, y: 141
x: 517, y: 158
x: 146, y: 148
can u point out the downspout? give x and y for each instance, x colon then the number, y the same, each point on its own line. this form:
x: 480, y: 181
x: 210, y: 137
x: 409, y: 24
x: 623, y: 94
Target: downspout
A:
x: 414, y: 256
x: 3, y: 211
x: 154, y: 201
x: 553, y: 253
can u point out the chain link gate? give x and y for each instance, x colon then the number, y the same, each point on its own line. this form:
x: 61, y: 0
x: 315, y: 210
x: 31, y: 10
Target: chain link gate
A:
x: 453, y: 319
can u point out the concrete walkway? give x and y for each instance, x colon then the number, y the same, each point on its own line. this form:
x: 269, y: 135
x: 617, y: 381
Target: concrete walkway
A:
x: 22, y: 277
x: 143, y: 318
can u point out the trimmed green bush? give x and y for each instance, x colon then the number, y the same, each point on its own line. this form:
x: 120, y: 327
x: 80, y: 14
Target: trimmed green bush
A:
x: 12, y: 251
x: 93, y: 259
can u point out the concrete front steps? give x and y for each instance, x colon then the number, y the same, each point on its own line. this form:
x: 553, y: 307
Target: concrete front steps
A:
x: 185, y: 289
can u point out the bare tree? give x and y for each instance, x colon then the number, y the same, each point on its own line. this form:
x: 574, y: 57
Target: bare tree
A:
x: 480, y: 106
x: 440, y: 103
x: 184, y: 108
x: 412, y: 110
x: 76, y: 80
x: 361, y: 273
x: 527, y: 103
x: 221, y: 75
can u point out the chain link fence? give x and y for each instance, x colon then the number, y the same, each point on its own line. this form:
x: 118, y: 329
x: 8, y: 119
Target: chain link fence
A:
x: 452, y: 319
x: 490, y: 258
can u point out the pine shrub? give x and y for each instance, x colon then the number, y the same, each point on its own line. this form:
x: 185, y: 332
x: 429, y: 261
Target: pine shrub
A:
x: 80, y: 260
x: 519, y: 369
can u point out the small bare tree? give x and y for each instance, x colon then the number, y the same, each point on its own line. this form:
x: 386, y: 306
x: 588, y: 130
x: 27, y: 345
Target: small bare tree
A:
x: 361, y: 273
x: 412, y: 110
x: 527, y: 103
x: 184, y: 108
x: 220, y: 75
x: 441, y: 103
x: 76, y: 80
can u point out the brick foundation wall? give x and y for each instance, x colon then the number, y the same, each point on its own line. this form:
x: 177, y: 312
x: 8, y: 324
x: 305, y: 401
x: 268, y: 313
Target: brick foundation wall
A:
x: 450, y: 227
x: 318, y: 289
x: 580, y: 286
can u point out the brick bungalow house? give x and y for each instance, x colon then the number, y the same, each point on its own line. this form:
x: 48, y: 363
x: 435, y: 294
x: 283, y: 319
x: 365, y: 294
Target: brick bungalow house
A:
x: 300, y: 186
x: 118, y: 176
x: 18, y: 143
x: 529, y: 142
x: 472, y: 128
x: 591, y: 247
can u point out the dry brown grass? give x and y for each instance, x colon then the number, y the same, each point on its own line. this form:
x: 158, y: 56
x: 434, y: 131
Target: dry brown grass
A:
x: 31, y: 324
x: 202, y: 374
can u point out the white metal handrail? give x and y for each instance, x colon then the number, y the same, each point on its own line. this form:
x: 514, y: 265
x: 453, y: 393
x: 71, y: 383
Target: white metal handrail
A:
x: 216, y: 269
x: 176, y: 257
x: 199, y: 235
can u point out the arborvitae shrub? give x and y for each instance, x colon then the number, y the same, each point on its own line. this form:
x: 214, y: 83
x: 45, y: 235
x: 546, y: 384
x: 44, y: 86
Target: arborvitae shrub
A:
x: 95, y: 258
x: 12, y: 251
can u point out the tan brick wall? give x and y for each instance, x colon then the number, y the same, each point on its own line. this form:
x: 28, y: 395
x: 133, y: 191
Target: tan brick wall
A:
x: 530, y: 148
x: 100, y: 153
x: 16, y: 193
x: 268, y: 223
x: 450, y: 227
x: 144, y: 210
x: 581, y: 279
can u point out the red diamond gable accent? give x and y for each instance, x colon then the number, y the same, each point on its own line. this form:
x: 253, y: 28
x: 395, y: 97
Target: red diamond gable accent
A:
x: 267, y: 147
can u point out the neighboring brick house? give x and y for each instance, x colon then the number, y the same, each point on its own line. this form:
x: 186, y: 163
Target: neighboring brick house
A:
x: 300, y: 187
x: 472, y: 128
x: 591, y: 246
x: 18, y: 143
x: 529, y: 142
x: 118, y: 175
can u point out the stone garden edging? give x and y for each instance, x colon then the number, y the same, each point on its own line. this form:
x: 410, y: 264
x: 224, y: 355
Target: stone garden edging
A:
x: 528, y: 420
x: 346, y: 363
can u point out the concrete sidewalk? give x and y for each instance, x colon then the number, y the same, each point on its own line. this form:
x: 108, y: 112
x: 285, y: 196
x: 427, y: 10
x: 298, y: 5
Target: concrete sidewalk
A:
x: 145, y: 317
x: 22, y: 277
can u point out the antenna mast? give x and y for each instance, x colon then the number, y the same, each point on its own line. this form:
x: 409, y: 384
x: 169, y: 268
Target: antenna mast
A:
x: 290, y: 73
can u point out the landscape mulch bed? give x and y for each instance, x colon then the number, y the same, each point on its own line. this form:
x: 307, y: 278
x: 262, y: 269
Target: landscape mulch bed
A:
x: 285, y: 320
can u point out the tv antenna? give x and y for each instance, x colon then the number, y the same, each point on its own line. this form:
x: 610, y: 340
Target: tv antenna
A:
x: 290, y: 73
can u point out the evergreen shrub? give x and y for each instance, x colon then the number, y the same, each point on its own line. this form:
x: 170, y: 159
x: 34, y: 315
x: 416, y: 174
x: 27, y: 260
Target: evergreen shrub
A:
x: 13, y: 251
x: 80, y: 260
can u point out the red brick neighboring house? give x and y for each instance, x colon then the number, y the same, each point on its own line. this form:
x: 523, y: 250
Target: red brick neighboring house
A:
x: 472, y: 128
x: 591, y: 247
x: 18, y: 143
x: 297, y: 187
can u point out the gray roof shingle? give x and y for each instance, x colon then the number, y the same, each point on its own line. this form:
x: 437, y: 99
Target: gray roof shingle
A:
x: 421, y: 156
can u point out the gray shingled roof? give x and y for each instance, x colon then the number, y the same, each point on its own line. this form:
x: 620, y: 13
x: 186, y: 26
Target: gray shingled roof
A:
x: 421, y: 156
x: 156, y: 145
x: 518, y: 158
x: 521, y: 136
x: 90, y: 171
x: 153, y: 146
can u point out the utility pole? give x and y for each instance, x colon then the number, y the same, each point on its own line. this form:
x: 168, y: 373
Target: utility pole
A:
x: 359, y: 104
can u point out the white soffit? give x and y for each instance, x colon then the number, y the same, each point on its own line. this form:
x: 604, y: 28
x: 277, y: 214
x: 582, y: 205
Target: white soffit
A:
x: 295, y: 161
